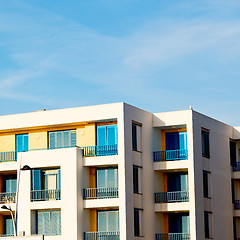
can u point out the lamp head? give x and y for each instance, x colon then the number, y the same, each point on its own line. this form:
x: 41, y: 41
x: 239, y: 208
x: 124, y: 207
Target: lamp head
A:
x: 25, y: 167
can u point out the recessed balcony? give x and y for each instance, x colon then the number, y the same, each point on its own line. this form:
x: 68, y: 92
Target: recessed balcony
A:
x: 7, y: 197
x: 171, y: 197
x: 100, y: 193
x: 8, y: 156
x: 170, y: 155
x: 45, y: 195
x: 101, y: 235
x: 172, y: 236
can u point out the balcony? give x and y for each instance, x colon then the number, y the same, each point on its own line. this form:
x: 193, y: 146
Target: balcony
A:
x: 101, y: 236
x: 170, y: 197
x: 173, y: 236
x: 7, y: 197
x: 100, y: 193
x: 170, y: 155
x: 8, y: 156
x: 236, y: 167
x: 45, y: 195
x: 105, y: 150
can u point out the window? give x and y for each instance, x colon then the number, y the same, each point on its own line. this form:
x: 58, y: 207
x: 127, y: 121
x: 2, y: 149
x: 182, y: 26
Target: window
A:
x: 205, y: 144
x: 138, y: 224
x: 233, y: 155
x: 22, y: 142
x: 107, y: 135
x: 10, y: 183
x: 137, y: 179
x: 208, y: 224
x: 48, y: 222
x: 107, y: 178
x: 8, y: 226
x: 206, y: 193
x: 108, y: 221
x: 176, y: 140
x: 61, y: 139
x: 136, y: 136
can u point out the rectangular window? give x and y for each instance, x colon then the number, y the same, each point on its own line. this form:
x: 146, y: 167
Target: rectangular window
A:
x: 107, y: 177
x: 107, y: 135
x: 138, y: 224
x: 233, y: 154
x: 205, y: 144
x: 10, y: 183
x: 22, y: 142
x: 8, y: 226
x: 176, y: 140
x: 137, y: 177
x: 136, y: 136
x: 48, y: 222
x: 208, y: 224
x: 108, y: 221
x: 61, y: 139
x: 206, y: 193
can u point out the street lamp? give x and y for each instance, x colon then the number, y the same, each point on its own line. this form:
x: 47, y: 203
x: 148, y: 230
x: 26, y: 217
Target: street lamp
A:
x: 13, y: 220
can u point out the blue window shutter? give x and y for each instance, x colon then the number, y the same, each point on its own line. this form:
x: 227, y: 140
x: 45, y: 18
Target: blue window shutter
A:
x: 102, y: 221
x: 172, y: 141
x: 59, y: 178
x: 8, y: 226
x: 185, y: 224
x: 36, y: 179
x: 113, y: 219
x: 40, y: 223
x: 52, y: 140
x: 184, y: 182
x: 14, y: 185
x: 182, y: 140
x: 25, y: 142
x: 73, y: 138
x: 101, y: 178
x: 101, y: 135
x: 19, y: 143
x: 111, y: 134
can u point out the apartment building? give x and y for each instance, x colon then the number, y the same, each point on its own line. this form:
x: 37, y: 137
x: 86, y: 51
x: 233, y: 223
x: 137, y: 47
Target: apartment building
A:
x: 114, y: 171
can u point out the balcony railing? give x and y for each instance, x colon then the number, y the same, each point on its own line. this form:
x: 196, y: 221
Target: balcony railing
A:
x: 173, y: 236
x: 45, y: 195
x: 8, y: 156
x: 105, y: 150
x: 7, y: 197
x: 7, y: 235
x: 169, y: 197
x: 170, y: 155
x: 236, y: 167
x: 101, y: 236
x: 236, y: 204
x: 100, y: 193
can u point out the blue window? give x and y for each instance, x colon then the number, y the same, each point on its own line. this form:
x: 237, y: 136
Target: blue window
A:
x: 107, y: 178
x: 10, y: 184
x: 178, y: 222
x: 177, y: 182
x: 46, y: 179
x: 107, y: 135
x: 108, y: 221
x: 48, y: 222
x: 8, y: 226
x: 176, y: 140
x: 61, y: 139
x: 22, y: 142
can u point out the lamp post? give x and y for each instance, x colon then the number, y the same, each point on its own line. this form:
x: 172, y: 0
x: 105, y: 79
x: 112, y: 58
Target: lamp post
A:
x: 13, y: 219
x: 14, y: 216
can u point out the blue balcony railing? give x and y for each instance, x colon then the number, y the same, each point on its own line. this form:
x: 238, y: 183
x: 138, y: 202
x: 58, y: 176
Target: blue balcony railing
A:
x: 173, y: 236
x: 106, y: 150
x: 100, y: 193
x: 236, y: 167
x: 170, y: 197
x: 170, y: 155
x: 7, y: 197
x: 101, y: 236
x: 8, y: 156
x: 45, y: 195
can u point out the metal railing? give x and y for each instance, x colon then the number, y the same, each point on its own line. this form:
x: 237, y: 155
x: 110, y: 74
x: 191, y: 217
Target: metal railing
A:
x: 7, y: 197
x: 100, y: 193
x: 7, y: 235
x: 173, y: 236
x: 101, y: 236
x: 105, y: 150
x: 169, y: 197
x: 170, y: 155
x: 45, y: 195
x: 8, y: 156
x: 236, y: 167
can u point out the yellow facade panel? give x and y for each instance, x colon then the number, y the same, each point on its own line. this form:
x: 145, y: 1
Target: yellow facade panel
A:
x: 7, y: 142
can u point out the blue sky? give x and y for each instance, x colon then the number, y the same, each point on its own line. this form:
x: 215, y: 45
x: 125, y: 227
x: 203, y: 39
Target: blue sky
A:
x: 159, y: 55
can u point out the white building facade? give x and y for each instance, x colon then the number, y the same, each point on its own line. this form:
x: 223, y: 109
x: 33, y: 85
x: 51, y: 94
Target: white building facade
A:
x: 114, y: 171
